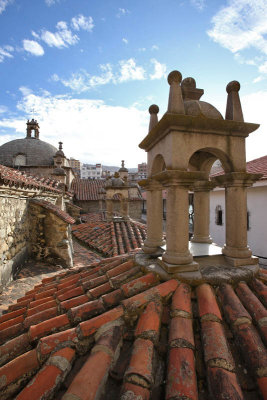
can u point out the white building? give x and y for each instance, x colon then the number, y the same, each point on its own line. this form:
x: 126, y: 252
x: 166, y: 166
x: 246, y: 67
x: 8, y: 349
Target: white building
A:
x: 91, y: 171
x: 256, y: 209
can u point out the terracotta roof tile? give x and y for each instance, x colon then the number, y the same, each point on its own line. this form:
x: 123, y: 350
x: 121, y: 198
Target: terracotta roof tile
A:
x: 54, y: 209
x: 111, y: 238
x: 145, y: 338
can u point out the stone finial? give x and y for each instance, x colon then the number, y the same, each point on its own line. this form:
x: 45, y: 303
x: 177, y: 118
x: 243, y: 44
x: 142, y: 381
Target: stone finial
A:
x: 189, y: 89
x: 176, y: 104
x: 153, y: 111
x: 60, y: 145
x: 122, y: 163
x: 233, y: 106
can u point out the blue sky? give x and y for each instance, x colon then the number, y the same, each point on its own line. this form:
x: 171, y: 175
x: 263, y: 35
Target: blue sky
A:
x: 90, y: 70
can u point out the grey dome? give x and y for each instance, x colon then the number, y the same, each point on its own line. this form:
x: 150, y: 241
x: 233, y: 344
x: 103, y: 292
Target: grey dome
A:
x: 36, y: 152
x: 197, y: 107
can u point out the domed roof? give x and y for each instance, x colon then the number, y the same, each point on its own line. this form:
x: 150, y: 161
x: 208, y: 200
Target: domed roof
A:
x: 197, y: 107
x: 36, y: 152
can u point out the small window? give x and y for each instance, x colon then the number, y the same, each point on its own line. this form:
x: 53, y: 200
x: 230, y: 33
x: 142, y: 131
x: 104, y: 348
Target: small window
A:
x: 248, y: 221
x: 218, y: 215
x: 20, y: 159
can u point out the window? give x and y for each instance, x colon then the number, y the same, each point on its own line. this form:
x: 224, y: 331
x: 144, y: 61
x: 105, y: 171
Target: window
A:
x: 20, y: 159
x: 218, y: 215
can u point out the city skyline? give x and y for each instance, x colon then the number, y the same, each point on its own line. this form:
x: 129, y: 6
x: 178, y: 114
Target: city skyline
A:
x: 88, y: 72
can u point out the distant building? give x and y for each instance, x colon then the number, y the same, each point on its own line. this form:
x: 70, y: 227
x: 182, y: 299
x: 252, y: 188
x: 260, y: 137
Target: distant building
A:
x: 91, y: 171
x: 76, y: 166
x: 142, y: 171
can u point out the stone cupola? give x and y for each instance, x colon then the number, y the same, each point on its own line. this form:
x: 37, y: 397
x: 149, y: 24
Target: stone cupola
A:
x: 123, y: 172
x: 181, y: 149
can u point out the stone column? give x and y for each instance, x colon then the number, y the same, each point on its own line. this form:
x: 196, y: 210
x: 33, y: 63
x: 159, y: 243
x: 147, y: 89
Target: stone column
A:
x: 236, y: 249
x: 177, y: 255
x: 202, y: 212
x: 154, y: 209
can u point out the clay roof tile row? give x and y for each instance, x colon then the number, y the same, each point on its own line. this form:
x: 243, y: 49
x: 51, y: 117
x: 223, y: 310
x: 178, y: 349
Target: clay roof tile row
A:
x: 111, y: 330
x: 63, y: 215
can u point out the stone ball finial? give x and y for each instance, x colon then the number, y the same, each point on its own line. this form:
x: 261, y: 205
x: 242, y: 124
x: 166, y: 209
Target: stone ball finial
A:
x: 189, y: 83
x: 153, y: 109
x: 174, y: 76
x: 233, y: 86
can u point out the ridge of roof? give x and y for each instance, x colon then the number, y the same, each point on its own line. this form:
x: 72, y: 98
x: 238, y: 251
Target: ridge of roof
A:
x: 119, y: 332
x: 63, y: 215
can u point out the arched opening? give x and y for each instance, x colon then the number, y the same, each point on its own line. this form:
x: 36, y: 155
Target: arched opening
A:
x: 158, y: 165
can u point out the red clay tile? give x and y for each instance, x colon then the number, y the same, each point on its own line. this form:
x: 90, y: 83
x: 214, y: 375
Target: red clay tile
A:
x: 13, y: 314
x: 181, y: 375
x: 49, y: 377
x: 120, y: 269
x: 113, y: 298
x: 164, y: 289
x: 14, y: 347
x: 149, y: 322
x: 67, y: 282
x: 216, y: 350
x: 181, y: 299
x: 88, y: 383
x: 262, y: 383
x: 40, y: 317
x: 48, y: 280
x: 10, y: 332
x: 223, y: 385
x: 207, y: 304
x: 22, y: 304
x: 47, y: 344
x: 27, y: 297
x: 88, y: 328
x: 76, y: 301
x: 11, y: 322
x: 47, y: 293
x: 15, y: 369
x: 139, y: 284
x: 51, y: 325
x: 181, y: 333
x: 65, y: 289
x: 78, y: 291
x: 232, y: 306
x: 36, y: 303
x: 100, y: 290
x: 118, y: 280
x: 92, y: 283
x: 260, y: 289
x: 141, y: 363
x: 252, y: 349
x: 131, y: 391
x: 111, y: 265
x: 86, y: 311
x: 41, y: 307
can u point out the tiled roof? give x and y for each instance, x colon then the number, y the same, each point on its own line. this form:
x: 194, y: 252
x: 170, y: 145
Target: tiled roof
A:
x: 111, y: 238
x: 88, y: 189
x: 55, y: 210
x: 111, y: 331
x: 14, y: 177
x: 257, y: 166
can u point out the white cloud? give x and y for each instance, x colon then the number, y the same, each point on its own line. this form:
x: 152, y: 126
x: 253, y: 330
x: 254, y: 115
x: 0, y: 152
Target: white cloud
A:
x: 122, y: 12
x: 59, y: 117
x: 4, y: 4
x: 125, y: 40
x: 242, y: 25
x: 51, y: 2
x: 5, y: 52
x: 33, y: 47
x: 258, y: 79
x: 82, y: 22
x: 3, y: 109
x: 154, y: 47
x: 159, y: 70
x: 25, y: 91
x: 63, y: 37
x: 199, y: 4
x: 129, y: 71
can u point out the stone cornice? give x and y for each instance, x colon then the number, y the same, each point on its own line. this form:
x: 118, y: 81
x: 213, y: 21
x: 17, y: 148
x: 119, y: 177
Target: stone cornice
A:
x: 236, y: 179
x: 179, y: 178
x: 195, y: 124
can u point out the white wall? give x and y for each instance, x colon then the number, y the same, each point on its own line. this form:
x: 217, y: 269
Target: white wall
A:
x: 256, y: 205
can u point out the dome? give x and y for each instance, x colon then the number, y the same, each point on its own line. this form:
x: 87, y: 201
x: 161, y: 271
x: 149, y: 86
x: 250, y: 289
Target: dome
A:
x: 28, y: 151
x: 197, y: 107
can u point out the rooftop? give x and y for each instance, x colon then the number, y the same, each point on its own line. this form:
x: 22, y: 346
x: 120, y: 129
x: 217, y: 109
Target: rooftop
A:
x: 111, y: 330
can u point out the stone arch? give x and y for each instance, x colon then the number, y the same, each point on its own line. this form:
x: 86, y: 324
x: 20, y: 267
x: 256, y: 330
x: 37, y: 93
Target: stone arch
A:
x: 158, y: 164
x: 203, y: 159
